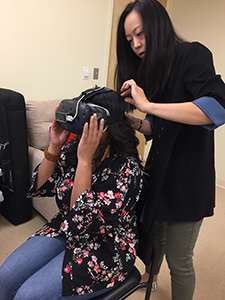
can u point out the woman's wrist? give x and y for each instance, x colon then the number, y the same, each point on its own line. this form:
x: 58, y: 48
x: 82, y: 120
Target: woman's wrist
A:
x: 54, y: 150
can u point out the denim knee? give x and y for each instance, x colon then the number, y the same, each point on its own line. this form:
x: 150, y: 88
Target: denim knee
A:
x: 6, y: 290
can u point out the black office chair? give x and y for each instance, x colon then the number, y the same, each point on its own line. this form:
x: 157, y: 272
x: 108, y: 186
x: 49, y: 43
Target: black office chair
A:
x: 146, y: 253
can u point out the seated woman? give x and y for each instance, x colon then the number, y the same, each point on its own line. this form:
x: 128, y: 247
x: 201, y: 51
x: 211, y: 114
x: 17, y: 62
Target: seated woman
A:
x: 90, y: 245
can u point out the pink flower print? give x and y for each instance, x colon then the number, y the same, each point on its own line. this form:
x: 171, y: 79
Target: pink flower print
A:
x: 124, y: 212
x: 80, y: 218
x: 90, y: 263
x: 102, y: 230
x: 119, y: 184
x: 109, y: 194
x: 123, y: 188
x: 94, y: 258
x: 123, y: 248
x: 67, y: 269
x: 79, y: 226
x: 71, y: 184
x: 85, y: 253
x: 117, y: 195
x: 120, y: 277
x: 97, y: 269
x: 64, y: 188
x: 64, y: 225
x: 95, y: 211
x: 67, y: 181
x: 89, y: 195
x: 76, y: 250
x: 79, y: 261
x: 110, y: 285
x: 79, y: 290
x: 107, y: 201
x: 101, y: 195
x: 119, y: 204
x: 127, y: 172
x: 51, y: 179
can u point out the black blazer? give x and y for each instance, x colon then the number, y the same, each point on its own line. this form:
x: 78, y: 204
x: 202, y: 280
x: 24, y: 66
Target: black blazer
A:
x: 181, y: 160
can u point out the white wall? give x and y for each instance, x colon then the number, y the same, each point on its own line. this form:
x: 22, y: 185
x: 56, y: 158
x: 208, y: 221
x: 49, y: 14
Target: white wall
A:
x: 204, y: 21
x: 44, y: 45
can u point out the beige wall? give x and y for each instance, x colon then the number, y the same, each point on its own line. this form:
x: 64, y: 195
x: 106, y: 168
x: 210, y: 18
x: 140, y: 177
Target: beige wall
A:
x: 204, y: 21
x: 45, y: 44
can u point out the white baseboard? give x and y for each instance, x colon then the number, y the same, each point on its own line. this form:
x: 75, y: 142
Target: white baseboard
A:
x: 220, y: 183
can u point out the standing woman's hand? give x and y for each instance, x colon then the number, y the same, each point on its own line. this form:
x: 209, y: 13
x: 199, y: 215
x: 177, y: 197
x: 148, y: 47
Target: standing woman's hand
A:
x: 138, y: 96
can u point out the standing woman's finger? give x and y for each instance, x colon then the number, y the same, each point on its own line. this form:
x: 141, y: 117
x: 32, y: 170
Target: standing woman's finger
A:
x: 127, y: 84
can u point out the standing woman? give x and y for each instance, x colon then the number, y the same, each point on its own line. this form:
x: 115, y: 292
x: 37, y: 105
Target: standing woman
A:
x: 175, y: 84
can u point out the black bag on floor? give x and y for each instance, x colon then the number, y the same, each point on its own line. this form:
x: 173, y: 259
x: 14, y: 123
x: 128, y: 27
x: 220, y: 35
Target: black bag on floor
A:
x: 15, y: 179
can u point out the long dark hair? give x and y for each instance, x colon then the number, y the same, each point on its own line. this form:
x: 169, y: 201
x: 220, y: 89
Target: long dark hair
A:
x: 153, y: 72
x: 121, y: 136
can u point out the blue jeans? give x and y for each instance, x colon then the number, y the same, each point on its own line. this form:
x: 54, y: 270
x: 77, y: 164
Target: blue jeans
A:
x: 177, y: 241
x: 33, y: 271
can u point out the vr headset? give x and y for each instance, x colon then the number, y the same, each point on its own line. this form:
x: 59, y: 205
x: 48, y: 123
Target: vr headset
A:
x: 72, y: 114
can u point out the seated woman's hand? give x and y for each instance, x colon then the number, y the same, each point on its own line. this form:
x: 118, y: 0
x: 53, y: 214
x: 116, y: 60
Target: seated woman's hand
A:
x: 58, y: 135
x: 90, y: 139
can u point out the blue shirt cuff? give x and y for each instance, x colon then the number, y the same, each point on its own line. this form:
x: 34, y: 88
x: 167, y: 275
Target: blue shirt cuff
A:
x: 150, y: 119
x: 212, y: 108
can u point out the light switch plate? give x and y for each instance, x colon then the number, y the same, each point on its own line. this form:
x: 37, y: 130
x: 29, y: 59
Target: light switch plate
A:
x: 85, y: 73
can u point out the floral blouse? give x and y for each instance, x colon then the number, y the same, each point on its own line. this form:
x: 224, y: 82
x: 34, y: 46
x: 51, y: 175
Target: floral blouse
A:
x: 101, y: 229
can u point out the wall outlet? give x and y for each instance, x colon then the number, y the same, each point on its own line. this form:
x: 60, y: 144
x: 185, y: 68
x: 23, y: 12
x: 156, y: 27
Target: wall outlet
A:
x: 95, y: 73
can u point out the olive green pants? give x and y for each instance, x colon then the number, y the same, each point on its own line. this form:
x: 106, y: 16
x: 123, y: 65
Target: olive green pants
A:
x: 176, y: 240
